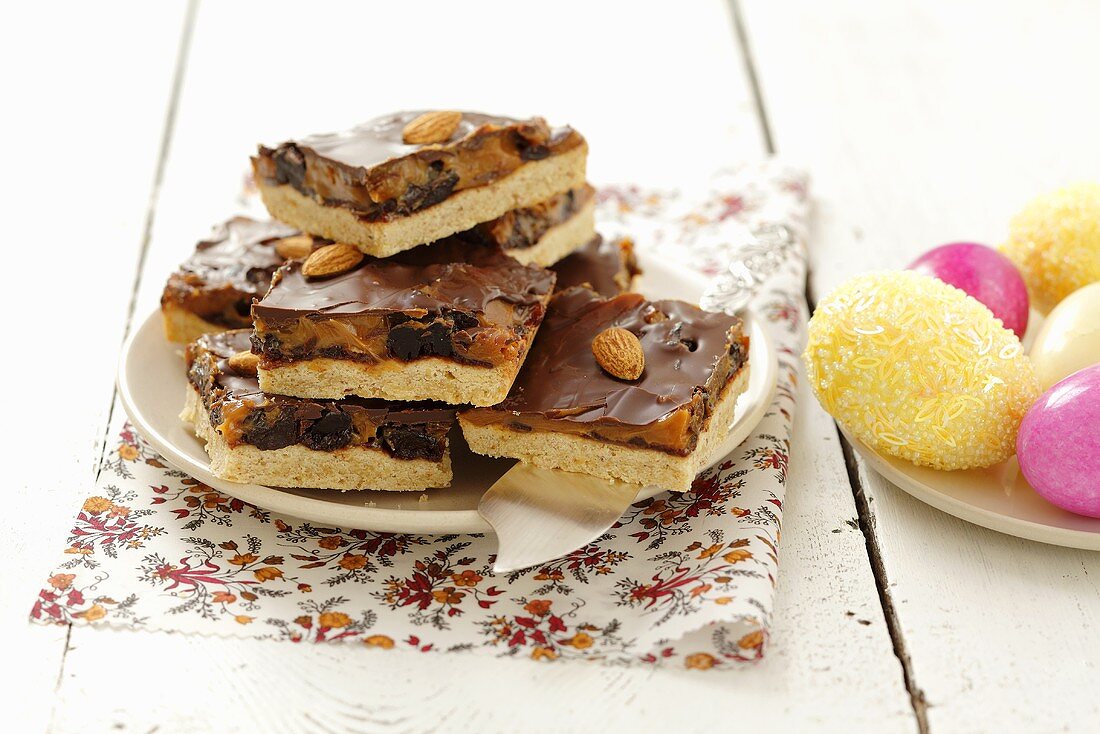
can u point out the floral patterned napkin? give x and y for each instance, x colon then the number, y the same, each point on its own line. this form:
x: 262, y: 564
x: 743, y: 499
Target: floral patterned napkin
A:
x: 682, y: 579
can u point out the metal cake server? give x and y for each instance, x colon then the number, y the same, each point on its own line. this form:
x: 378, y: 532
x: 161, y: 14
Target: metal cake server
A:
x: 542, y: 514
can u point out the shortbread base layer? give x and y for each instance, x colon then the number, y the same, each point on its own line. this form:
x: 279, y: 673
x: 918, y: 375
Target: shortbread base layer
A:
x: 430, y: 378
x: 528, y: 185
x: 561, y: 239
x: 183, y: 327
x: 632, y: 464
x: 349, y: 468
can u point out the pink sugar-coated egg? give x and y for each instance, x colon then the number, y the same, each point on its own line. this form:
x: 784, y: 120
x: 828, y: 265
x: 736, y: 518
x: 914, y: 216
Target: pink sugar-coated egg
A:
x: 983, y: 273
x: 1058, y: 445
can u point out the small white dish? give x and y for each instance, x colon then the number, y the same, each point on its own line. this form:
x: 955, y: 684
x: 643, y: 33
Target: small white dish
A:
x: 998, y: 498
x: 152, y: 381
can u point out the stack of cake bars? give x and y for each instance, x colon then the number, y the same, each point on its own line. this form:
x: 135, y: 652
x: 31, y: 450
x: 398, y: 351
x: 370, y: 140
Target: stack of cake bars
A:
x: 428, y: 266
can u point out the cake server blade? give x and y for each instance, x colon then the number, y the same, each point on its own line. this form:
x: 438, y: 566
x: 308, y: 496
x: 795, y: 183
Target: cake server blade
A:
x: 542, y: 514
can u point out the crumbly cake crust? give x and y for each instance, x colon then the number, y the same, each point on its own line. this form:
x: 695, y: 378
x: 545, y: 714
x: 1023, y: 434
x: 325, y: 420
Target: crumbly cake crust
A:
x: 441, y: 379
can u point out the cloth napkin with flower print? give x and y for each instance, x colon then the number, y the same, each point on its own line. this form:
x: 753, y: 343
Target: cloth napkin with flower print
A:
x: 682, y: 579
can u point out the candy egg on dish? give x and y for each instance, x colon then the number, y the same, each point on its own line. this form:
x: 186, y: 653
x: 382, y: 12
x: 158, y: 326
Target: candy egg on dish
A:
x: 983, y: 273
x: 1055, y: 242
x: 1069, y: 339
x: 1059, y: 443
x: 918, y: 369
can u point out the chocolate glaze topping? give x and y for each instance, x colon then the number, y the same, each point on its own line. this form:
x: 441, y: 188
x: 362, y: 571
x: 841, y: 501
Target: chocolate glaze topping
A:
x: 227, y: 269
x: 561, y: 379
x: 275, y: 421
x: 606, y: 267
x: 379, y: 140
x: 446, y: 275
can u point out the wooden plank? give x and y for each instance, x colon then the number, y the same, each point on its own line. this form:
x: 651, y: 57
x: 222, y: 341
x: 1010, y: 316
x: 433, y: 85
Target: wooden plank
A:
x: 831, y: 663
x: 925, y: 123
x: 84, y: 112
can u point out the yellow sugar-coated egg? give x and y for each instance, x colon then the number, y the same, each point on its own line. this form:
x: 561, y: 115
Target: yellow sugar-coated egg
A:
x: 1055, y: 242
x: 918, y: 369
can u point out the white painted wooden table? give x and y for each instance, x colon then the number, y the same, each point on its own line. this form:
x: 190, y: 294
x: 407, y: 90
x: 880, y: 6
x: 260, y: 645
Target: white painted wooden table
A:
x: 127, y: 129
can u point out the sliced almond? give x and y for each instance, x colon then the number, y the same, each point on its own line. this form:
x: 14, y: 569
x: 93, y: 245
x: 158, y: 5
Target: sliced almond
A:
x: 619, y: 353
x: 244, y: 363
x: 297, y: 247
x: 331, y: 260
x: 431, y: 127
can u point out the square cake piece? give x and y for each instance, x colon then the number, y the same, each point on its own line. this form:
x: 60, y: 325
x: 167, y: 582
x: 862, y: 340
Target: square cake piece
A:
x: 607, y: 267
x: 259, y: 438
x: 566, y: 412
x: 542, y: 234
x: 408, y: 178
x: 213, y: 290
x: 445, y: 322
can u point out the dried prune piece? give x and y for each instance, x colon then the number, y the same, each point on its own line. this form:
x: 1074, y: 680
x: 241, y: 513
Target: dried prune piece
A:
x: 404, y: 342
x: 290, y: 166
x: 436, y: 339
x: 332, y: 431
x: 410, y: 442
x: 463, y: 320
x: 270, y: 429
x: 421, y: 197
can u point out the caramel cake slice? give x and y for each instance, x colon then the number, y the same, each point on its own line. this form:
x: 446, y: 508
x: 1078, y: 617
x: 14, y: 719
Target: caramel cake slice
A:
x: 408, y: 178
x: 545, y: 233
x: 446, y: 322
x: 620, y: 388
x: 258, y: 438
x: 213, y: 290
x: 607, y: 267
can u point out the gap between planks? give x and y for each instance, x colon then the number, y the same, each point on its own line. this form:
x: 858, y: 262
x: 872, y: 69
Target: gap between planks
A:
x: 182, y: 52
x: 865, y: 514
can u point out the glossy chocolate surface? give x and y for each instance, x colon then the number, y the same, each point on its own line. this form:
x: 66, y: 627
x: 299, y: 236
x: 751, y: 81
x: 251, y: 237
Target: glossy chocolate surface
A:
x: 424, y: 279
x: 380, y: 140
x: 684, y: 346
x: 230, y: 267
x: 608, y: 267
x: 450, y: 299
x: 245, y: 414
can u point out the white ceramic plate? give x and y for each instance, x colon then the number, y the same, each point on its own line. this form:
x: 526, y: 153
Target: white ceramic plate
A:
x: 152, y: 381
x: 998, y: 498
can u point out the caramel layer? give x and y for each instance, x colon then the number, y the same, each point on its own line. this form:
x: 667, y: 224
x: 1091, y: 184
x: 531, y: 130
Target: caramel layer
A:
x: 244, y: 414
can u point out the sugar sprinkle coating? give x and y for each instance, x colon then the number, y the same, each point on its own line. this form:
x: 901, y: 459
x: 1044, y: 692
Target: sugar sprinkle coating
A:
x: 918, y: 369
x: 1055, y: 242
